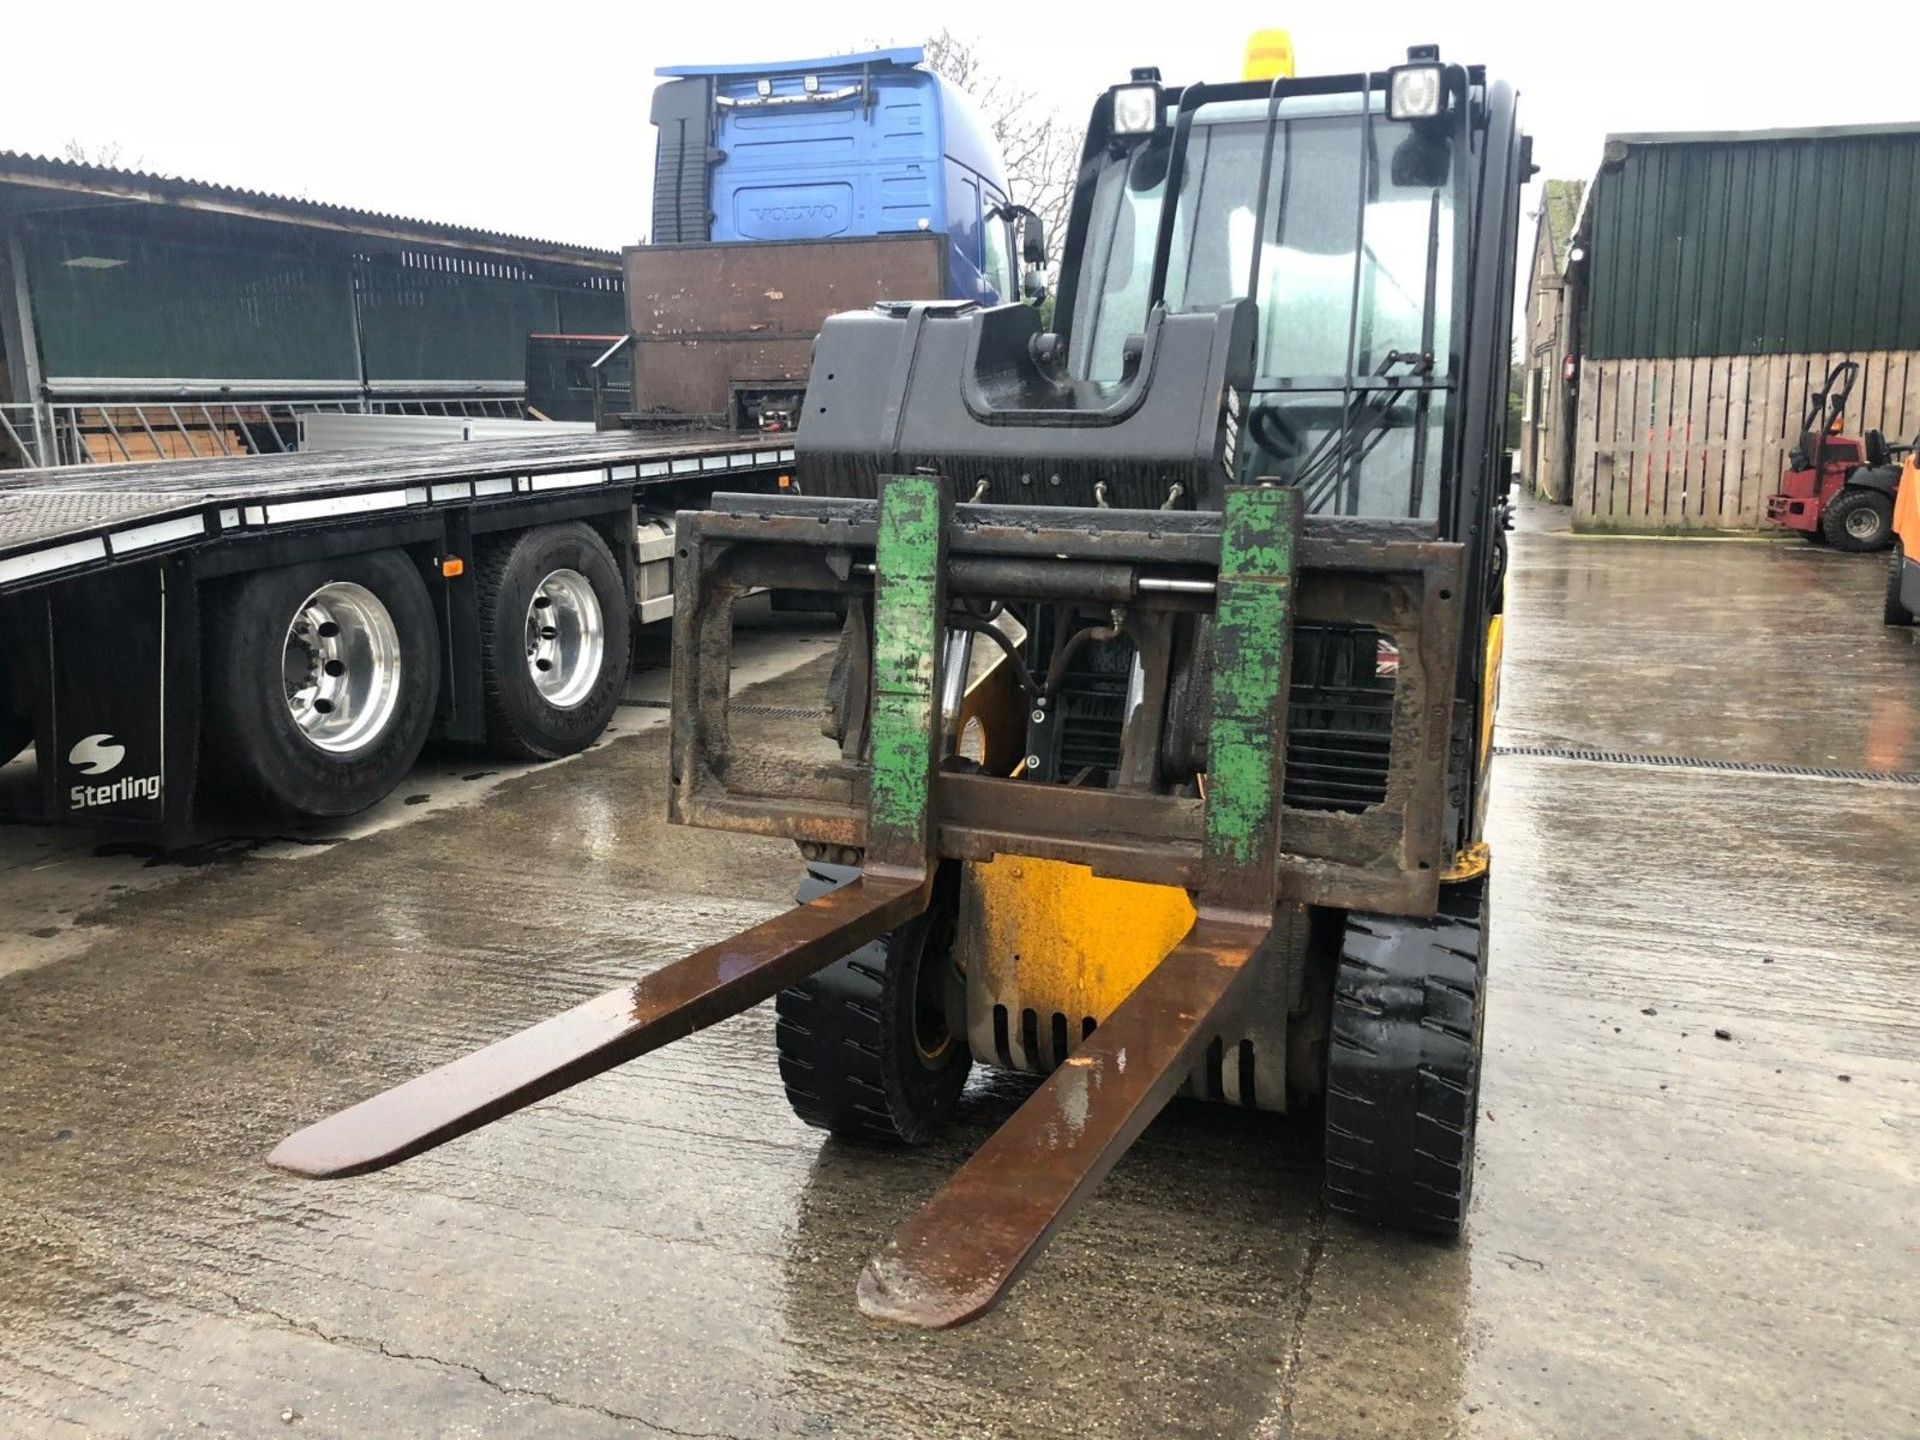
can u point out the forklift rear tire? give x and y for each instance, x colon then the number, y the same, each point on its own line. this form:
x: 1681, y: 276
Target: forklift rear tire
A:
x: 322, y: 679
x: 555, y: 640
x: 868, y: 1048
x: 1403, y: 1066
x: 1858, y: 520
x: 1894, y: 612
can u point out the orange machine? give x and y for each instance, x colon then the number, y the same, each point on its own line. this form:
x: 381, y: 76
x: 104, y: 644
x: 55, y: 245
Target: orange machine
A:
x: 1903, y: 567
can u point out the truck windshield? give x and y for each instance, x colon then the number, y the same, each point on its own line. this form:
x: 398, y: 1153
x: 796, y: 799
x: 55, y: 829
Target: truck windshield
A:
x: 1355, y: 287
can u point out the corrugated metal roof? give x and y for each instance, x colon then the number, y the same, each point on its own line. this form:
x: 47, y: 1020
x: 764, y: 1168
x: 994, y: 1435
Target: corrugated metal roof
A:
x: 43, y: 172
x: 1801, y: 132
x: 1754, y: 243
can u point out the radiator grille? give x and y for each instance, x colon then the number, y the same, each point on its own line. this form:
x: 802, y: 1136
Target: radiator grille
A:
x: 1339, y: 718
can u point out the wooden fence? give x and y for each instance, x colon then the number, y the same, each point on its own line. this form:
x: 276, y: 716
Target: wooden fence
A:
x: 1699, y: 444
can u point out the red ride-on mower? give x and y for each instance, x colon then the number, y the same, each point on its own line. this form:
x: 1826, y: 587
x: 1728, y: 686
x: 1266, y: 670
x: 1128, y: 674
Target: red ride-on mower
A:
x: 1838, y: 490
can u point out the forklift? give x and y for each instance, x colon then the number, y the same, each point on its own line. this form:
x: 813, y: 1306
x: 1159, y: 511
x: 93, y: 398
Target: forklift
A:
x: 1158, y: 737
x: 1838, y: 490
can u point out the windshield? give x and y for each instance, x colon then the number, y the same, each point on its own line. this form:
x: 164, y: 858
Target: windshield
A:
x: 1355, y: 287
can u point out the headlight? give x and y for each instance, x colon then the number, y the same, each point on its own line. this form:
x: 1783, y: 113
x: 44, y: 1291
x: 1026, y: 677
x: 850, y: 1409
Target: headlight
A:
x: 1136, y: 109
x: 1414, y: 92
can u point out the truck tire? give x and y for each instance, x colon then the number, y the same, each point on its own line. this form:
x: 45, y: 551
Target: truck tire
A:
x: 1858, y: 520
x: 1893, y: 612
x: 1403, y: 1068
x: 555, y: 640
x: 322, y: 680
x: 867, y: 1046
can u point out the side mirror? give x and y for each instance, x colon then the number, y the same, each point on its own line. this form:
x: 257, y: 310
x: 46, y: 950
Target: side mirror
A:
x: 1033, y: 239
x: 1033, y: 287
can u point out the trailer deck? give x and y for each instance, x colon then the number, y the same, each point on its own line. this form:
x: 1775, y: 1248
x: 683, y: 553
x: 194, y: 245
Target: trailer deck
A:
x: 121, y: 587
x: 66, y: 522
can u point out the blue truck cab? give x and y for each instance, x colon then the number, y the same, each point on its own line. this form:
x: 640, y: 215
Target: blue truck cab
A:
x: 847, y: 146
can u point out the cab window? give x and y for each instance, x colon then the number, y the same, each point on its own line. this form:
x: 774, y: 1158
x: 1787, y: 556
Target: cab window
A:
x: 997, y: 241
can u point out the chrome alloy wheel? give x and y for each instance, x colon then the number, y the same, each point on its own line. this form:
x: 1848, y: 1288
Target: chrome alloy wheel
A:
x: 566, y: 638
x: 341, y: 667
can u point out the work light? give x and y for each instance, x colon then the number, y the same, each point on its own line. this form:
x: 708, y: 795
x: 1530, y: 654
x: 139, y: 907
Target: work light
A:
x: 1136, y: 109
x: 1414, y: 92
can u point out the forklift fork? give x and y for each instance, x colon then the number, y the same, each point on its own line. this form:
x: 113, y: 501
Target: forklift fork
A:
x: 708, y: 986
x: 957, y: 1258
x: 954, y: 1260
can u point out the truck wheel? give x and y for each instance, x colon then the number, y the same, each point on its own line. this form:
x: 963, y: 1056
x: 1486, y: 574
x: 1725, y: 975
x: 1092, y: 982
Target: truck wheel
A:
x: 322, y: 680
x: 1894, y: 612
x: 554, y: 641
x: 1403, y: 1068
x: 867, y: 1046
x: 1858, y: 520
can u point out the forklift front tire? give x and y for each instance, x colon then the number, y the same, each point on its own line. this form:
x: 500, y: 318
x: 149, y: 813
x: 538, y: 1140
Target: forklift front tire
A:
x: 868, y: 1046
x: 322, y: 679
x: 1403, y: 1067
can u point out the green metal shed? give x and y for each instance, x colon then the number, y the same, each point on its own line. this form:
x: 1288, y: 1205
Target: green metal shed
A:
x: 1719, y: 277
x: 1763, y: 242
x: 145, y: 316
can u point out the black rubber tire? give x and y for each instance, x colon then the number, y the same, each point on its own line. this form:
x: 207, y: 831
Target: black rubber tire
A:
x: 522, y: 724
x: 1403, y: 1066
x: 1893, y: 612
x: 1851, y: 507
x: 248, y: 728
x: 849, y: 1056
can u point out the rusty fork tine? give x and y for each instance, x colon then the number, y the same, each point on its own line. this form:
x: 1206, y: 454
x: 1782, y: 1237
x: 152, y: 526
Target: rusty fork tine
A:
x: 954, y: 1260
x: 674, y: 1001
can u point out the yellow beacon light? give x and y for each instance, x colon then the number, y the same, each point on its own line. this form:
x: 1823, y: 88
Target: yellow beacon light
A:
x: 1269, y: 54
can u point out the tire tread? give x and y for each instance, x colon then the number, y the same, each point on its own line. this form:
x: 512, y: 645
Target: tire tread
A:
x: 1404, y: 1067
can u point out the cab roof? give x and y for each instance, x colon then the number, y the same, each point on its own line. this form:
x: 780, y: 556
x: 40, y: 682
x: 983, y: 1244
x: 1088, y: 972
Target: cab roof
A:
x: 905, y: 56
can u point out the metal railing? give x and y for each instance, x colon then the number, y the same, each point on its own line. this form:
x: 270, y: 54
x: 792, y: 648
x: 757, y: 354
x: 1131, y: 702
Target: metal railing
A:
x: 24, y: 437
x: 118, y: 429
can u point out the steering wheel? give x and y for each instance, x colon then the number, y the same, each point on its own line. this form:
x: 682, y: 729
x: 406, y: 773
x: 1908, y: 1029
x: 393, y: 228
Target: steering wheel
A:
x: 1274, y: 432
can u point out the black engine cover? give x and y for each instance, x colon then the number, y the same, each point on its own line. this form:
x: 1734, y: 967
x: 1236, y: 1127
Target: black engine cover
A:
x: 955, y: 388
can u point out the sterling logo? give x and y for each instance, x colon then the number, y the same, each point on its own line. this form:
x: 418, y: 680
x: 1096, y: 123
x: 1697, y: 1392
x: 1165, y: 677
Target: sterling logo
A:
x: 96, y: 755
x: 101, y: 755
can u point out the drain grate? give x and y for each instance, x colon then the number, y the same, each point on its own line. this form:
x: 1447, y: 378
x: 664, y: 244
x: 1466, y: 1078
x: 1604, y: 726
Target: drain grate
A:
x: 777, y: 712
x: 1696, y: 762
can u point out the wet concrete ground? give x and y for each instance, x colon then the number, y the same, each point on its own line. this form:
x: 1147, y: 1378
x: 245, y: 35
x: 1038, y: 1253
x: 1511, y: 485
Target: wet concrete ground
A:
x: 1673, y: 1234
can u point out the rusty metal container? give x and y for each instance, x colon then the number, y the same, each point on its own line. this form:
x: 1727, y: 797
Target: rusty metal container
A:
x: 717, y: 326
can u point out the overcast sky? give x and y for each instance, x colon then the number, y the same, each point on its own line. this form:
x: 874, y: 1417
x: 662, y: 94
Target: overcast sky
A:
x: 533, y: 118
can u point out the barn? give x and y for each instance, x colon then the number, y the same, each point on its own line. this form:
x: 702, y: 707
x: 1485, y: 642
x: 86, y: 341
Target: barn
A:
x: 145, y: 316
x: 1713, y: 280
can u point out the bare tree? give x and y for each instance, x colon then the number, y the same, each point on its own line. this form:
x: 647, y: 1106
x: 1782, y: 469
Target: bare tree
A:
x: 106, y: 156
x: 1039, y: 148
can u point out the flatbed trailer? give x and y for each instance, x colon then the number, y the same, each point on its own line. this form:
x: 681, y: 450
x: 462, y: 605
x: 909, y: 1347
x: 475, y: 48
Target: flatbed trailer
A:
x: 288, y: 631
